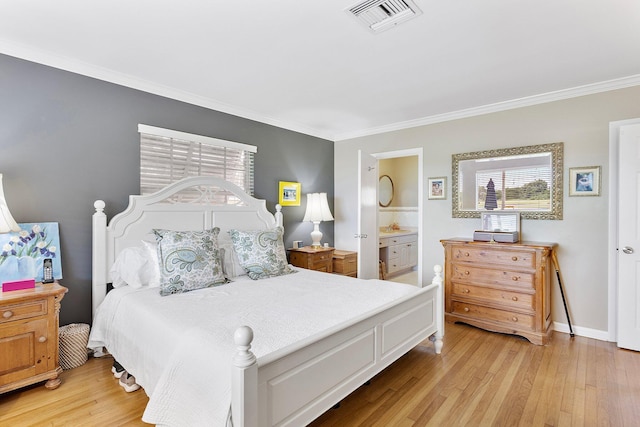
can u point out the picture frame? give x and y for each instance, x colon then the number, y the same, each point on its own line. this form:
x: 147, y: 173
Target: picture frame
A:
x: 289, y: 193
x: 437, y: 188
x: 584, y: 181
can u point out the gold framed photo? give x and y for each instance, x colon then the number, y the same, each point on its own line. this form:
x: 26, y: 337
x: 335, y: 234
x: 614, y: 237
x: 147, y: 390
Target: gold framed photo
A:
x: 289, y: 193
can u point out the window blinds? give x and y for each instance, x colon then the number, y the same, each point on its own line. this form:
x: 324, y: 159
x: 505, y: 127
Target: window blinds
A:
x: 516, y: 188
x: 167, y: 156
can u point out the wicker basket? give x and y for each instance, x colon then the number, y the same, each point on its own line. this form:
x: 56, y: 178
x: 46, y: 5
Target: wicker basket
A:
x: 73, y: 345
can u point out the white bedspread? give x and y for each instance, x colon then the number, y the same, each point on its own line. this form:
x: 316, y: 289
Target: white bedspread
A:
x: 180, y: 347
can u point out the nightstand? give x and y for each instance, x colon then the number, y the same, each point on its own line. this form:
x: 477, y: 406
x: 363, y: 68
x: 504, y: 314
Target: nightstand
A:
x: 320, y: 259
x: 345, y: 263
x: 29, y: 336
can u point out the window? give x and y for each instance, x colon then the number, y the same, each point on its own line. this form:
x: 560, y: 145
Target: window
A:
x: 166, y: 156
x: 514, y: 188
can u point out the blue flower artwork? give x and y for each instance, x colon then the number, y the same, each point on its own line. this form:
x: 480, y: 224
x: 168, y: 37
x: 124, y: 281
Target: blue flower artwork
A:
x: 22, y: 253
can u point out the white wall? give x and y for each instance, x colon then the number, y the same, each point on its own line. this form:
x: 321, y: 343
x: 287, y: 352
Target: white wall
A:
x: 581, y: 123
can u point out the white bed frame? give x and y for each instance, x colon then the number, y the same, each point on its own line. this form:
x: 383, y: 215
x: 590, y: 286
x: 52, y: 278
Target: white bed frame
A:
x: 295, y: 385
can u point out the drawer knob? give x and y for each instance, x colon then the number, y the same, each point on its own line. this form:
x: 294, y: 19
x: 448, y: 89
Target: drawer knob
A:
x: 514, y: 298
x: 7, y: 314
x: 515, y: 278
x: 42, y: 339
x: 466, y: 309
x: 466, y: 254
x: 466, y: 291
x: 514, y: 318
x: 466, y: 273
x: 514, y: 258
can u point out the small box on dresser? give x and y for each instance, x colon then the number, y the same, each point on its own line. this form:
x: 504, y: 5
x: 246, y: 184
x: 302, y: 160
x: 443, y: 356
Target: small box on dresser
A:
x: 345, y: 263
x: 29, y: 336
x: 501, y: 287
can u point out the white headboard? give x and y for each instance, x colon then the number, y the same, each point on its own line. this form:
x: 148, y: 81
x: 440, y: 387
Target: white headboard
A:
x: 213, y: 202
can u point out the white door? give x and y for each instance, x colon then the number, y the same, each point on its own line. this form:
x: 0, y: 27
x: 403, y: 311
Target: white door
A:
x: 367, y: 216
x: 629, y: 238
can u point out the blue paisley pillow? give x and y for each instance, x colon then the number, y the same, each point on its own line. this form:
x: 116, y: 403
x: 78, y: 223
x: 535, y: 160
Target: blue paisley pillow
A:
x: 261, y: 253
x: 189, y: 260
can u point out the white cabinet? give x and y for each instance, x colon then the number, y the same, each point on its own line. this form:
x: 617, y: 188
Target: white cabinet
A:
x: 399, y: 253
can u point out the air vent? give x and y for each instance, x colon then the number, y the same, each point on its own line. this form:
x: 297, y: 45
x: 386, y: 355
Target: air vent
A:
x: 380, y: 15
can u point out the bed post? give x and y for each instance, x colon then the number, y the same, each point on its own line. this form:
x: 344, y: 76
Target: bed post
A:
x: 437, y: 280
x: 244, y: 381
x: 98, y: 256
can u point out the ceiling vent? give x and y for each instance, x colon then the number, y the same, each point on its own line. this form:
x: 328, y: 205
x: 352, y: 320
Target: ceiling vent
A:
x: 380, y: 15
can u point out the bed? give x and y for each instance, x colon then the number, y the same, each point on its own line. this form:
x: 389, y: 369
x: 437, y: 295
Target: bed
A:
x: 276, y: 351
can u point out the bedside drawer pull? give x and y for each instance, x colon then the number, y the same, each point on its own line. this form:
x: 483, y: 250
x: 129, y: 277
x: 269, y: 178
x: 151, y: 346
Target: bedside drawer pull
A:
x: 466, y: 273
x: 7, y: 314
x: 514, y: 318
x: 466, y: 254
x: 514, y: 298
x: 514, y: 258
x: 42, y: 339
x: 466, y: 309
x: 515, y: 278
x: 466, y: 291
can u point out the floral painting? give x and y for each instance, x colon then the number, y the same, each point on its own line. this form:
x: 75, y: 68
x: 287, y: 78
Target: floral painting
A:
x: 22, y: 253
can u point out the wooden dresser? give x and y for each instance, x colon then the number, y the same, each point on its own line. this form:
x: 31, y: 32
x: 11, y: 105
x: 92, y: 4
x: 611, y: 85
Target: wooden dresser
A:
x: 29, y: 337
x: 501, y: 287
x: 320, y: 259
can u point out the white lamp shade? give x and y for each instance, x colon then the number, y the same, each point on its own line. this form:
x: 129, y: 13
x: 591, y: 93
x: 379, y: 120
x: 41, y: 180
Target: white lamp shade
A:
x: 317, y: 208
x: 7, y: 223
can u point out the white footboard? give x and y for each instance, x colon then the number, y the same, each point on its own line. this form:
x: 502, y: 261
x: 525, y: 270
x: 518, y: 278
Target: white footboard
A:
x: 294, y: 386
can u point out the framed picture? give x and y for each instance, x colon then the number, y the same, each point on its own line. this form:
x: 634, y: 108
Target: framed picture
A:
x: 437, y: 188
x: 584, y: 181
x: 289, y: 193
x: 22, y: 253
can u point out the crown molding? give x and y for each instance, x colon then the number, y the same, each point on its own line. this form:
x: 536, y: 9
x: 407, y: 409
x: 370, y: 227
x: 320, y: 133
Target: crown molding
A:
x: 111, y: 76
x: 72, y: 65
x: 528, y: 101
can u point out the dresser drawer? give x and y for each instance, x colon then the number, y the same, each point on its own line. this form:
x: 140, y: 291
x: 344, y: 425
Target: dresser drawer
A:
x: 518, y: 321
x: 506, y: 257
x: 485, y: 276
x: 522, y: 301
x: 25, y: 310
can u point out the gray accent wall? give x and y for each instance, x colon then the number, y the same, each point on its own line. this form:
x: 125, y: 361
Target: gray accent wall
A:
x: 67, y: 140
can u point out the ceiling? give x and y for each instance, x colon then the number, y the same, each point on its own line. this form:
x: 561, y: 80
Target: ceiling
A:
x: 309, y: 66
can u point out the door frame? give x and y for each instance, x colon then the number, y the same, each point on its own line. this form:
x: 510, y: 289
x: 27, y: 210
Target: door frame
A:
x: 418, y: 151
x: 614, y: 148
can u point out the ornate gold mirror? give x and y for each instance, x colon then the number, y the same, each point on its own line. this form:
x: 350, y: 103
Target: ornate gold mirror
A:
x: 527, y: 180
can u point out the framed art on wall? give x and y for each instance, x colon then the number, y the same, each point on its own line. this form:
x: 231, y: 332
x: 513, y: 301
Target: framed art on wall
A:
x: 22, y: 253
x: 437, y: 188
x: 289, y: 193
x: 584, y: 181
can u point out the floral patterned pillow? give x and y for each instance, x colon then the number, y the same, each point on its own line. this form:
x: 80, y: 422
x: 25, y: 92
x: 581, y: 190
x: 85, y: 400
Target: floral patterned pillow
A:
x: 261, y: 252
x: 188, y: 260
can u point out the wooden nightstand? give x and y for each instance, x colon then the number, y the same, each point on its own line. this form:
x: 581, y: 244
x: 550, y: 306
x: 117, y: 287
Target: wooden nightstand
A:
x: 29, y: 336
x: 345, y: 263
x: 320, y: 259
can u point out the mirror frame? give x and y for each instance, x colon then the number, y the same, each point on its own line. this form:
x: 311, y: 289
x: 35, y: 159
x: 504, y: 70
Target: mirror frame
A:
x: 557, y: 159
x: 392, y: 191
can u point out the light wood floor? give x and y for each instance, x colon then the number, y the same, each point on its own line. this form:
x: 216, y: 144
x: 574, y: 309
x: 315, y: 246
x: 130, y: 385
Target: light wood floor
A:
x: 481, y: 378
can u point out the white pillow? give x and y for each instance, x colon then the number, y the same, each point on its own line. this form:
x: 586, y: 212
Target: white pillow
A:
x: 135, y: 266
x: 230, y: 262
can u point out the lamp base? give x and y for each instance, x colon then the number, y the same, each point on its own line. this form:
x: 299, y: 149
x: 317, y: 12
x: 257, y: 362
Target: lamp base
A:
x: 316, y: 235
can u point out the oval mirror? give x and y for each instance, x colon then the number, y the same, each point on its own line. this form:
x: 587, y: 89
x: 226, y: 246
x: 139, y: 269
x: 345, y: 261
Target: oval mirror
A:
x: 385, y: 191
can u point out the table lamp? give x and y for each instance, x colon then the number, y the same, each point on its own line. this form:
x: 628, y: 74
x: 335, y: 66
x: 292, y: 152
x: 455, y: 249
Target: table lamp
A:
x: 317, y: 211
x: 7, y: 223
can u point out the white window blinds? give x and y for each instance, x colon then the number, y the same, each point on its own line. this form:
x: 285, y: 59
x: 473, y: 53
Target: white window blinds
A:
x: 167, y: 156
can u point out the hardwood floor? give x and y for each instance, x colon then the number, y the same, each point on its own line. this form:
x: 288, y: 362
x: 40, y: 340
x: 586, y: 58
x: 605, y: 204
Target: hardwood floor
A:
x: 481, y: 378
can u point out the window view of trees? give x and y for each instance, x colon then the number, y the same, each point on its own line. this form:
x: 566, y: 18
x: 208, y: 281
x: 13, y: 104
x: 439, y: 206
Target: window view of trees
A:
x: 525, y: 189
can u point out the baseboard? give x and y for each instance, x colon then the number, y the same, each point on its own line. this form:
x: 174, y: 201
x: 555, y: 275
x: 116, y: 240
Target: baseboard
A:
x: 582, y: 332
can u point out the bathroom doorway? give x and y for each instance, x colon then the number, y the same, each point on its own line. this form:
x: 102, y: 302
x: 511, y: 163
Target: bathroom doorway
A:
x: 399, y: 219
